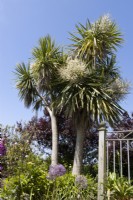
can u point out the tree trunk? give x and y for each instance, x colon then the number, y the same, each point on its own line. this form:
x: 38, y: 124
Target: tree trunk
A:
x: 78, y: 156
x: 54, y: 156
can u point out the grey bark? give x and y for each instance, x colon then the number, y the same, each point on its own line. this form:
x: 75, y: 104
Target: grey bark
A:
x: 54, y: 156
x: 78, y: 156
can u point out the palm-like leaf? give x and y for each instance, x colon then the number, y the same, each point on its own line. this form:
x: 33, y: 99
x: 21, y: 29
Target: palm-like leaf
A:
x: 25, y: 84
x: 47, y: 58
x: 89, y: 95
x: 34, y: 81
x: 114, y: 84
x: 96, y: 40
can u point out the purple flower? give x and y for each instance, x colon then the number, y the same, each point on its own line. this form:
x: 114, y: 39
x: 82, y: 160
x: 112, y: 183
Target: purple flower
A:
x: 81, y: 181
x: 2, y: 148
x: 56, y: 170
x: 1, y: 167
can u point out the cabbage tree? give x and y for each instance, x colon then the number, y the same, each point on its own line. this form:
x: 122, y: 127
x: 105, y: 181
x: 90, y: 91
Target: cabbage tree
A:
x: 90, y: 96
x: 34, y: 83
x: 95, y: 41
x: 85, y: 98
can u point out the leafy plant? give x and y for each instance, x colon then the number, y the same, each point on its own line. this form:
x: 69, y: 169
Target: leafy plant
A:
x: 34, y: 185
x: 118, y: 188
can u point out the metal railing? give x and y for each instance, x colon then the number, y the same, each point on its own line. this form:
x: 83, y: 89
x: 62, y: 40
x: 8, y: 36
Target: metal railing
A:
x: 123, y: 143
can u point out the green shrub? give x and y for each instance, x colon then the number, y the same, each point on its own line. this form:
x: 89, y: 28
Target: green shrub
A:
x: 118, y: 188
x: 34, y: 185
x: 65, y: 189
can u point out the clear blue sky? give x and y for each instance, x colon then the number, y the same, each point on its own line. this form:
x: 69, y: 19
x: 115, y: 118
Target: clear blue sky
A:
x: 23, y: 22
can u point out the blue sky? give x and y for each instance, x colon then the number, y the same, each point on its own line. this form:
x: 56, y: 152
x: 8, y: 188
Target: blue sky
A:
x: 23, y: 22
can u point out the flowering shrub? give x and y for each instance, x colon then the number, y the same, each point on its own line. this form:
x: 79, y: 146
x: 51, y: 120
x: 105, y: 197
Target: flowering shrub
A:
x: 2, y: 147
x: 66, y: 188
x: 2, y: 153
x: 34, y: 184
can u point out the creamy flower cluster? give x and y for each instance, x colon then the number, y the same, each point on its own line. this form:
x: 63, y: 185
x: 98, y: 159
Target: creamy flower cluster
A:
x: 103, y: 24
x: 73, y: 70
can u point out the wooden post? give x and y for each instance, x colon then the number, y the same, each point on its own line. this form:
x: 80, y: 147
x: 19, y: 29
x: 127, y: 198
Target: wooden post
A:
x: 101, y: 161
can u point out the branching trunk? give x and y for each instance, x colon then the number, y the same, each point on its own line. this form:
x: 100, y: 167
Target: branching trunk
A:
x: 78, y: 156
x: 54, y: 156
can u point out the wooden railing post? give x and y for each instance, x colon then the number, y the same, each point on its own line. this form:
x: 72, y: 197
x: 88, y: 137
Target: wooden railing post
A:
x: 101, y: 161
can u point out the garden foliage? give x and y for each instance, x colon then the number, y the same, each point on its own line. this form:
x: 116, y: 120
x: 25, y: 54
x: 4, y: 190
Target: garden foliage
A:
x: 35, y: 185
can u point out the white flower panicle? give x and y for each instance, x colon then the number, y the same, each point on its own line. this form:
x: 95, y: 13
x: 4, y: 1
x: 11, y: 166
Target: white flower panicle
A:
x: 121, y: 85
x: 103, y: 24
x: 73, y: 70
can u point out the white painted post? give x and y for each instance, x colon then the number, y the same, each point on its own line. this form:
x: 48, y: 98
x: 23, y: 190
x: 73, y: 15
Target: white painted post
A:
x: 101, y: 161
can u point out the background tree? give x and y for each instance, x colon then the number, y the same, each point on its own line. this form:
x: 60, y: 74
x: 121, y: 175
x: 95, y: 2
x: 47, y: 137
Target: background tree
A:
x: 38, y: 132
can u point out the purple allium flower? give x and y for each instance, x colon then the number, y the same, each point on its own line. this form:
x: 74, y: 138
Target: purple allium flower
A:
x: 2, y: 148
x: 81, y: 181
x: 1, y: 167
x: 56, y: 170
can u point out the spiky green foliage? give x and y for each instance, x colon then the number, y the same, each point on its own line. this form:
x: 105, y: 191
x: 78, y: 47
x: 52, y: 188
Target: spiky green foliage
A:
x: 115, y: 85
x: 47, y: 58
x: 95, y: 44
x: 88, y: 95
x: 118, y: 188
x: 96, y: 40
x: 25, y: 84
x: 34, y: 81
